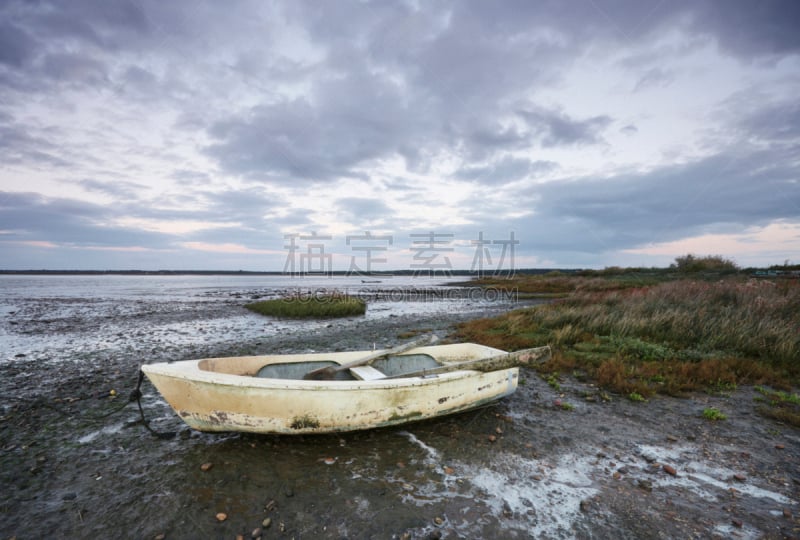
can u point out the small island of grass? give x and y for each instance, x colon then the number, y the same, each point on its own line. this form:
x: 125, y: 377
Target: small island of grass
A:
x: 310, y: 307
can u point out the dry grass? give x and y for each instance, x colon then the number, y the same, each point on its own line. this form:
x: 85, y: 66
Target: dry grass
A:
x: 669, y: 337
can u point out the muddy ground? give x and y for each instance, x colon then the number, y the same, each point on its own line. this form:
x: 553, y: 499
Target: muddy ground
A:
x: 539, y: 464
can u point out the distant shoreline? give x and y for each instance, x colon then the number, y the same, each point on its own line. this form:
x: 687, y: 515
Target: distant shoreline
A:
x: 433, y: 274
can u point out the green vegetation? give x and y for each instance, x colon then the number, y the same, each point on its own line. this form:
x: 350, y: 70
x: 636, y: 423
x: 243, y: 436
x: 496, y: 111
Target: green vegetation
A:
x: 310, y: 306
x: 636, y: 397
x: 713, y: 263
x: 781, y: 406
x: 697, y: 325
x: 713, y: 414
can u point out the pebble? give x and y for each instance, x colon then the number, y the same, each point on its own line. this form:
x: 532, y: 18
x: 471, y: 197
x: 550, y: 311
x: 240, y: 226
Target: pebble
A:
x: 256, y: 532
x: 739, y: 477
x: 670, y: 470
x: 160, y: 536
x: 206, y: 466
x: 266, y: 523
x: 780, y: 446
x: 737, y: 523
x: 448, y: 470
x: 221, y: 516
x: 438, y: 521
x: 492, y: 438
x: 270, y: 506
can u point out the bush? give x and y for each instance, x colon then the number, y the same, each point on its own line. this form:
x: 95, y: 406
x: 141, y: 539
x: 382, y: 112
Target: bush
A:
x: 710, y: 263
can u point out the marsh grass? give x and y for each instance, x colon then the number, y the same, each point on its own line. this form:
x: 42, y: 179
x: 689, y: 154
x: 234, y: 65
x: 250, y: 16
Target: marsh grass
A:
x: 669, y: 337
x: 779, y: 405
x: 310, y: 307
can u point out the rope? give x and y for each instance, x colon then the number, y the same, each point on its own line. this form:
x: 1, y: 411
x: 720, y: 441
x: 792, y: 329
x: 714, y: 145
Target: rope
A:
x: 137, y: 396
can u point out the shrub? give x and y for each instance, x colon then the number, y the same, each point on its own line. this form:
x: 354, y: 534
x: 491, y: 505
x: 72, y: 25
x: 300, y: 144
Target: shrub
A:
x: 709, y: 263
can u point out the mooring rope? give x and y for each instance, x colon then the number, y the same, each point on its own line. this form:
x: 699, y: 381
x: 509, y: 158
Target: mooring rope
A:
x: 137, y: 395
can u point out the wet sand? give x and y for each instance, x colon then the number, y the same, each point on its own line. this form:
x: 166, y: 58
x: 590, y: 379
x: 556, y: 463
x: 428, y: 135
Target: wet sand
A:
x: 525, y: 467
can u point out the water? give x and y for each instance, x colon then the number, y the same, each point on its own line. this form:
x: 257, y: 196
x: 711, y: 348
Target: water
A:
x: 53, y: 318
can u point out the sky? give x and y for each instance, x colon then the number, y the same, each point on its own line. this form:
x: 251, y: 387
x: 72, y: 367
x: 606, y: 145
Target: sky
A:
x: 415, y: 135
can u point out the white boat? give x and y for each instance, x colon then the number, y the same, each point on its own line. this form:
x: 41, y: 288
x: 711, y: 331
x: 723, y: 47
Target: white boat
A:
x: 267, y: 394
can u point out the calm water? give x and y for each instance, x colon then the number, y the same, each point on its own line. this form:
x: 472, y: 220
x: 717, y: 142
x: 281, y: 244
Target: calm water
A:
x: 60, y: 317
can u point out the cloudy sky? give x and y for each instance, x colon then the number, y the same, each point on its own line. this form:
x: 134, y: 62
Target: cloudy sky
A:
x: 398, y: 134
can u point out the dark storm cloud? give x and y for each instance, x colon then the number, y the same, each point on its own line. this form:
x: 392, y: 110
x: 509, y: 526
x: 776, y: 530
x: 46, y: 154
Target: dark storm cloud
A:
x: 506, y: 169
x: 301, y: 92
x: 364, y: 209
x: 750, y: 29
x: 118, y: 189
x: 21, y: 145
x: 722, y: 193
x: 16, y: 45
x: 31, y: 217
x: 556, y: 128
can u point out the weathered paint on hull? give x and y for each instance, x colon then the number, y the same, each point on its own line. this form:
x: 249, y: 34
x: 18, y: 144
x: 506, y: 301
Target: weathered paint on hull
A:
x: 213, y: 401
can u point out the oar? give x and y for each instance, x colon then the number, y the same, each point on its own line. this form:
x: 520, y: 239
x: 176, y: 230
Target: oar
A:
x: 525, y: 357
x: 329, y: 372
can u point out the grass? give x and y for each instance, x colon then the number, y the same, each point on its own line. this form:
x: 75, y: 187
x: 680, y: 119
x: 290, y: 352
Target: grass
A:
x: 779, y: 405
x: 664, y: 333
x: 713, y: 414
x: 310, y: 306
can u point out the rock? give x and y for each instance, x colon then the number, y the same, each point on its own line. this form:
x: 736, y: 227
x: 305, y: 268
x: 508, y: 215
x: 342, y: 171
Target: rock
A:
x: 492, y: 438
x: 646, y: 485
x: 206, y: 466
x: 256, y: 532
x: 780, y: 446
x: 436, y: 534
x: 266, y: 523
x: 221, y: 516
x: 669, y: 469
x: 270, y: 506
x: 438, y: 521
x: 499, y: 430
x: 737, y: 523
x: 739, y: 477
x: 787, y: 513
x: 160, y: 536
x: 448, y: 470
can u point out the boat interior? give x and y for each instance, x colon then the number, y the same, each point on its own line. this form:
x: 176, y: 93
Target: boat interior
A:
x: 383, y: 367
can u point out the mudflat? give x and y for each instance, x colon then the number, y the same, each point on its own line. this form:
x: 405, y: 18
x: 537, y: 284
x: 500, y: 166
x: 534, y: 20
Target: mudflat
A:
x: 542, y: 463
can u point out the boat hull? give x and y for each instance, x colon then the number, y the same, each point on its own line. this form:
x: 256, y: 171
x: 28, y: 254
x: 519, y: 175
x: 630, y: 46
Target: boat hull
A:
x: 222, y: 394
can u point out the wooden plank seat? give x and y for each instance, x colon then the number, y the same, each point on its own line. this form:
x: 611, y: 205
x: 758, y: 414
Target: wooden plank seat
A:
x: 367, y: 373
